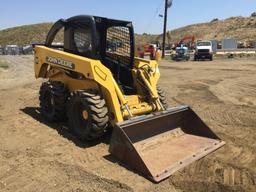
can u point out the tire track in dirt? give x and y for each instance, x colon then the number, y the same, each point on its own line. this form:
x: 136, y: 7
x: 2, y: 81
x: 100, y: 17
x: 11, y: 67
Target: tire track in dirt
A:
x: 35, y: 155
x: 210, y: 174
x: 232, y: 168
x: 46, y: 178
x: 198, y: 93
x: 46, y: 144
x: 242, y: 91
x: 40, y: 140
x: 219, y: 171
x: 231, y: 115
x: 52, y: 143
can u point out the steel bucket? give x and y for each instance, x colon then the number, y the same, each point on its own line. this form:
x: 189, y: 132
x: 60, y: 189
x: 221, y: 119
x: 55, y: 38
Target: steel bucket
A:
x: 159, y: 144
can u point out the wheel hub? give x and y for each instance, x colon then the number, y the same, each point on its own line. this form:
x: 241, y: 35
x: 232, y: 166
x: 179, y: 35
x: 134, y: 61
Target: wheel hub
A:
x: 85, y: 114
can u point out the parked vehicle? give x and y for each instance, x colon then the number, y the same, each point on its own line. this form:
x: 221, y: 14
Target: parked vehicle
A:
x: 12, y: 50
x: 181, y: 54
x: 27, y: 50
x: 203, y: 51
x: 2, y: 51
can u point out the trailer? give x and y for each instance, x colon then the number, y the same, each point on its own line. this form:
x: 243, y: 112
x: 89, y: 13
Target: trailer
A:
x: 229, y: 44
x: 2, y: 51
x: 12, y: 50
x: 27, y: 50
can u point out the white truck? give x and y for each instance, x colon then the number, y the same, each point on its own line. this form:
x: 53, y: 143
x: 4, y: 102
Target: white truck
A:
x: 203, y: 51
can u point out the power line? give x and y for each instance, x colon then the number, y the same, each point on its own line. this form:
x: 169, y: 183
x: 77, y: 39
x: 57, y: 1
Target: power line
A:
x: 155, y: 14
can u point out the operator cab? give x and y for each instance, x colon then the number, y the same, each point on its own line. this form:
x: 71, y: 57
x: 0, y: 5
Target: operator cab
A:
x: 110, y: 41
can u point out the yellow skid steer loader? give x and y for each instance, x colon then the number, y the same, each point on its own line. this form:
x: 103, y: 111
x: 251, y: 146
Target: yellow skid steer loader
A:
x: 95, y: 82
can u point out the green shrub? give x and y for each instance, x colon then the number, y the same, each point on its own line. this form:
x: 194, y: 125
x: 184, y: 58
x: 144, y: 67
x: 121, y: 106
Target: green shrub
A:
x: 3, y: 65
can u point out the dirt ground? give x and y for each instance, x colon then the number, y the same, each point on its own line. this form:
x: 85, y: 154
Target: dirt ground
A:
x: 38, y: 156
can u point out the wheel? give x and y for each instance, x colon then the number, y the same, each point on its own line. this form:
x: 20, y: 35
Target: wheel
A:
x: 162, y: 97
x: 87, y: 115
x: 53, y: 96
x: 211, y: 58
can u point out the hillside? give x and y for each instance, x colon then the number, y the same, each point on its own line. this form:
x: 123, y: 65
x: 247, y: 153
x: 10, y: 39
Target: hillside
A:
x: 241, y: 28
x: 26, y: 34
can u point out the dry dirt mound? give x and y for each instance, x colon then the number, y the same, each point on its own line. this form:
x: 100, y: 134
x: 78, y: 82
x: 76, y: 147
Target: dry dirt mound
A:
x: 36, y: 155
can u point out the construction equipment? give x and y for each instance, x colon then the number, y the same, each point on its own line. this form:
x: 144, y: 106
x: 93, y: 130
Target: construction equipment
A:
x: 150, y: 50
x: 187, y: 40
x: 181, y: 54
x: 96, y: 82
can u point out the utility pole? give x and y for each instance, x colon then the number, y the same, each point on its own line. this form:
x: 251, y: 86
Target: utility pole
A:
x: 165, y: 23
x: 168, y: 4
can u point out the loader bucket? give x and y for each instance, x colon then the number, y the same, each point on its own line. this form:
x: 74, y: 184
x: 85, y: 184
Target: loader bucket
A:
x: 159, y: 144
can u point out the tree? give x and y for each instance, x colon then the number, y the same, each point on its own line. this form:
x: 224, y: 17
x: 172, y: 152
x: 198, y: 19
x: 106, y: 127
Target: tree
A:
x: 214, y: 20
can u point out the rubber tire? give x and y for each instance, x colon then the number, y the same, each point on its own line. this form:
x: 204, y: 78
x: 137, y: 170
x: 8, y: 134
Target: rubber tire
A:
x: 162, y: 96
x: 53, y: 97
x: 97, y: 122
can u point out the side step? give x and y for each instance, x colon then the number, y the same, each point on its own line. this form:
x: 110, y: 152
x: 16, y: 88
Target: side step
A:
x: 159, y: 144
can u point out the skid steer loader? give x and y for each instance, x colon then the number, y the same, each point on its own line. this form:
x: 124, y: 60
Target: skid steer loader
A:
x: 95, y: 82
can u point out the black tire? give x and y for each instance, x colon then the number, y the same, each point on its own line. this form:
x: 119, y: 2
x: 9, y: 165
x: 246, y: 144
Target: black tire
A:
x: 162, y: 97
x: 53, y: 96
x: 211, y: 58
x: 95, y: 124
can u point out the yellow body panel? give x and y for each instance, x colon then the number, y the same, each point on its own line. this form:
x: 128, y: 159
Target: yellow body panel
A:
x: 53, y: 64
x: 57, y: 74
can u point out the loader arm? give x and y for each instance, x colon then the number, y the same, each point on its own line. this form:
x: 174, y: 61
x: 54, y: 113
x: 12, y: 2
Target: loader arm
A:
x: 89, y: 68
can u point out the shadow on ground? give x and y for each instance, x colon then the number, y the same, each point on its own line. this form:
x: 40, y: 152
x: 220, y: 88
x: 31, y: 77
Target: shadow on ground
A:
x: 63, y: 130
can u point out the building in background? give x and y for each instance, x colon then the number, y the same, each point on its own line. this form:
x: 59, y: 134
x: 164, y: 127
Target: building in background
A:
x: 214, y: 45
x: 229, y: 43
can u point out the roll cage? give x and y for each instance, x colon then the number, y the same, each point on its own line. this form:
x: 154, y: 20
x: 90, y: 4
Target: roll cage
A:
x: 99, y: 44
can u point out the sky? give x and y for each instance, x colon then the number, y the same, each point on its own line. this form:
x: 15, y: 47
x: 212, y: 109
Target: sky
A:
x: 143, y: 13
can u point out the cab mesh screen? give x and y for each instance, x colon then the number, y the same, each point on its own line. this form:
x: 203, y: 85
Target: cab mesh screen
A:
x: 118, y: 44
x: 82, y: 39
